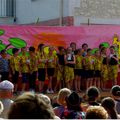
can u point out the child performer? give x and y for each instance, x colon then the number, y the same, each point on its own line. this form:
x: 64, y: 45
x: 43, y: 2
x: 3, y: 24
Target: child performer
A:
x: 98, y: 68
x: 60, y: 68
x: 69, y: 68
x: 42, y: 59
x: 33, y: 68
x: 104, y: 72
x: 51, y: 64
x: 78, y: 69
x: 24, y: 61
x: 113, y: 66
x: 15, y: 67
x: 89, y: 68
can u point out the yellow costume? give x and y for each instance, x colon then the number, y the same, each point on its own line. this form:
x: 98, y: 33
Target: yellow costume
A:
x: 69, y: 71
x: 78, y: 63
x: 41, y: 59
x: 98, y: 64
x: 89, y: 62
x: 113, y: 72
x: 104, y: 72
x: 33, y: 63
x: 69, y: 74
x: 15, y: 63
x: 24, y: 64
x: 51, y: 61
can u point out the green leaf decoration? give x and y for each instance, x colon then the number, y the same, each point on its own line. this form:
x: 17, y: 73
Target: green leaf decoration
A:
x: 2, y: 32
x: 17, y: 42
x: 27, y: 54
x: 2, y: 46
x: 9, y: 51
x: 105, y: 44
x: 0, y: 41
x: 94, y: 50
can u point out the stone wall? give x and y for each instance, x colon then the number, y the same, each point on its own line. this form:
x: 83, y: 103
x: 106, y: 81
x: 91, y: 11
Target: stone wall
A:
x: 99, y: 9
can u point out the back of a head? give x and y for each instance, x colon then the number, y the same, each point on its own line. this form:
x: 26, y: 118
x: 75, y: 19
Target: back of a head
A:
x: 115, y: 91
x: 14, y: 50
x: 96, y: 112
x: 6, y: 85
x: 63, y: 93
x: 92, y: 93
x: 45, y: 98
x: 73, y: 102
x: 109, y: 104
x: 6, y: 89
x: 30, y: 106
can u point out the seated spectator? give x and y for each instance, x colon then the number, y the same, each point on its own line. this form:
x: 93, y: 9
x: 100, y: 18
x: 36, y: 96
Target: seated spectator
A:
x: 115, y: 91
x: 109, y: 105
x: 55, y: 102
x: 96, y: 112
x: 73, y: 110
x: 30, y: 106
x: 47, y: 100
x: 6, y: 93
x: 61, y: 100
x: 93, y: 94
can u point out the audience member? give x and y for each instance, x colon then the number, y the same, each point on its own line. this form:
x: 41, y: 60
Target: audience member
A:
x: 96, y: 112
x: 109, y: 104
x: 4, y: 66
x: 93, y: 94
x: 30, y: 106
x: 6, y: 94
x: 55, y: 102
x: 47, y: 100
x: 74, y: 109
x: 115, y: 91
x: 63, y: 93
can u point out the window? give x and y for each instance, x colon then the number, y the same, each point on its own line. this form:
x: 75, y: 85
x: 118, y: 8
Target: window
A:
x: 7, y: 8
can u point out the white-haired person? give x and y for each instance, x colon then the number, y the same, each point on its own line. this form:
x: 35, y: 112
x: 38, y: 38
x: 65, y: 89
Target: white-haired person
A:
x: 47, y: 100
x: 6, y: 94
x: 63, y: 93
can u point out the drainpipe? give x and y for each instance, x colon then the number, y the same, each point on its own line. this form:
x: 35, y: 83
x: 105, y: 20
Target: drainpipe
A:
x: 61, y: 13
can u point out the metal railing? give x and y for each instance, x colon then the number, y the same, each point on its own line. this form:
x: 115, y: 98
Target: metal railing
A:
x: 7, y: 8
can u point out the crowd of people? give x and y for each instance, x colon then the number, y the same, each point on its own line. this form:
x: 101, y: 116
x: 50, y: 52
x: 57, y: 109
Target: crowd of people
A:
x: 67, y: 104
x: 70, y: 66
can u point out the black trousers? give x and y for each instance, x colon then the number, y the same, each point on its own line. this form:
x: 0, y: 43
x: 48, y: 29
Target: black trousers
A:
x: 32, y: 80
x: 5, y: 76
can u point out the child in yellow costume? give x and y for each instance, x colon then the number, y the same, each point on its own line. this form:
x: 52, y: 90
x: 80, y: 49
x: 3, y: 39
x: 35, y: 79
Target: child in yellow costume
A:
x: 104, y: 71
x: 33, y: 62
x: 69, y: 68
x: 15, y: 67
x: 97, y: 69
x: 42, y: 60
x: 88, y: 62
x: 24, y: 61
x: 51, y: 65
x: 78, y: 69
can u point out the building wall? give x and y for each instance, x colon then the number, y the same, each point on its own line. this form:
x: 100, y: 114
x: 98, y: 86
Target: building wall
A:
x: 98, y: 12
x: 28, y: 11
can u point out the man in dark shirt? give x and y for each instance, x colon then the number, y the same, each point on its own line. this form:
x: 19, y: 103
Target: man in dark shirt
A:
x: 4, y: 66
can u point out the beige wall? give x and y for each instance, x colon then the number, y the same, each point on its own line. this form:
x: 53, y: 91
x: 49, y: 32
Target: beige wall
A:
x: 98, y: 11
